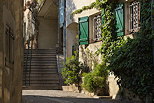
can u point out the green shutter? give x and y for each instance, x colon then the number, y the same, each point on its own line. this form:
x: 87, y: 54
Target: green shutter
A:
x: 103, y: 16
x: 83, y: 31
x: 119, y: 12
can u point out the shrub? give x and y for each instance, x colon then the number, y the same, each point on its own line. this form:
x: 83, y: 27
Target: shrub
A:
x: 95, y: 80
x: 72, y: 71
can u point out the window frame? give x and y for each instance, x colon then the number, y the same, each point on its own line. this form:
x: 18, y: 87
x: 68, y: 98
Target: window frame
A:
x: 131, y: 28
x: 94, y: 34
x: 9, y: 46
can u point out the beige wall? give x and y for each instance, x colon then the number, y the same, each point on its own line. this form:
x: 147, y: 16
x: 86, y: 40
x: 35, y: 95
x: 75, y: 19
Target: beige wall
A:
x: 11, y: 77
x: 48, y: 33
x: 1, y: 50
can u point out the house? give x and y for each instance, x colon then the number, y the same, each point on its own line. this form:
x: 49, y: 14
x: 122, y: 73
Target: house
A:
x: 84, y: 29
x: 11, y: 51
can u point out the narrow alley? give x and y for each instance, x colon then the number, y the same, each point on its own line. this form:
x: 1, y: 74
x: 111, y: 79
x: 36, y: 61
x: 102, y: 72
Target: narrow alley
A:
x: 76, y: 51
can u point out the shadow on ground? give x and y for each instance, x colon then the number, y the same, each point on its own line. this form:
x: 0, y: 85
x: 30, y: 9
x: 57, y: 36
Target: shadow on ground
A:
x: 47, y: 99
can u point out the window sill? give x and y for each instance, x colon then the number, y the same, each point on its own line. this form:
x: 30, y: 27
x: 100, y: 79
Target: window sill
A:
x: 93, y: 42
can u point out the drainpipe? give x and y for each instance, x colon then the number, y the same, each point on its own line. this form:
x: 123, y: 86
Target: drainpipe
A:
x: 64, y: 32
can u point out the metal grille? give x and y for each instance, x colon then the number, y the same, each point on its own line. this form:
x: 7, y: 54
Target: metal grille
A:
x: 134, y: 16
x: 97, y: 21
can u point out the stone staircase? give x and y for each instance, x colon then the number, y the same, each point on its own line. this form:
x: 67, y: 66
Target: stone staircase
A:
x: 40, y: 70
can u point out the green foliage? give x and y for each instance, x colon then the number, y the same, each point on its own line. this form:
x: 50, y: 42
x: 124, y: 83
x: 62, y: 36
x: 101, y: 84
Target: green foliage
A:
x: 85, y: 8
x: 130, y: 60
x: 72, y: 70
x: 96, y: 79
x: 98, y: 4
x: 132, y: 64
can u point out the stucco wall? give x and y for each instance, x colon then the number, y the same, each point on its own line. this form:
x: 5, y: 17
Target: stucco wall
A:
x: 11, y: 78
x: 72, y: 5
x: 48, y: 33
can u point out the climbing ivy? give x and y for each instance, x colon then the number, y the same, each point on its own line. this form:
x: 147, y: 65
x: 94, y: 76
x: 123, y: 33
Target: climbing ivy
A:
x: 129, y: 59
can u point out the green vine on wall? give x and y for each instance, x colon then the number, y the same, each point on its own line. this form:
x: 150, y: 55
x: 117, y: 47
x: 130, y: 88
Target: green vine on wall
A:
x: 129, y: 59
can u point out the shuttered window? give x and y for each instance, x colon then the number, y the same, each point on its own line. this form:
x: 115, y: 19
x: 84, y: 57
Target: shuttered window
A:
x: 83, y: 30
x: 119, y: 13
x: 9, y: 47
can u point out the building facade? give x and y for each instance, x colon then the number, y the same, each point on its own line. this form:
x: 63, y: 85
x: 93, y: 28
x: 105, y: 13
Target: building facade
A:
x: 88, y: 22
x: 84, y: 30
x: 11, y: 51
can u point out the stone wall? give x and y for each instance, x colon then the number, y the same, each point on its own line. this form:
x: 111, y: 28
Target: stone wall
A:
x: 11, y: 73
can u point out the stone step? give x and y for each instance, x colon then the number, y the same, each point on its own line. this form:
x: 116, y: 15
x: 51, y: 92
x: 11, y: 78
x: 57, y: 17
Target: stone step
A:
x: 43, y: 76
x: 42, y: 73
x: 41, y: 63
x: 42, y: 88
x: 41, y: 84
x: 43, y: 81
x: 40, y: 56
x: 40, y: 68
x: 52, y: 49
x: 39, y: 51
x: 40, y: 59
x: 37, y: 64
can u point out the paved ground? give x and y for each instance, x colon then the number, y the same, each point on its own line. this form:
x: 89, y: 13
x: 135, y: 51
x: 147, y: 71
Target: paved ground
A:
x: 55, y: 96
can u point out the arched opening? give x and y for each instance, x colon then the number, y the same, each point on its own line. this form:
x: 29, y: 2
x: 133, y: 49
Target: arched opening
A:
x: 71, y: 38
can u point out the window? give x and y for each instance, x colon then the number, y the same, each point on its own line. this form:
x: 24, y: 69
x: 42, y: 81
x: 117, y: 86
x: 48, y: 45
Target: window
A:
x: 134, y: 12
x: 97, y: 32
x: 9, y: 47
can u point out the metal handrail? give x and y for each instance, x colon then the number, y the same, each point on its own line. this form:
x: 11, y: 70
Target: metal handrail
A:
x: 28, y: 65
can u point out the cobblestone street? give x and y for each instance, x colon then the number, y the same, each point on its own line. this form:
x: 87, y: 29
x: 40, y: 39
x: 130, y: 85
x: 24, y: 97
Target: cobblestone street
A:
x: 55, y: 96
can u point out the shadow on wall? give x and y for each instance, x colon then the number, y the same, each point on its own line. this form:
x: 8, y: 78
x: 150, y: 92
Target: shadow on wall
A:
x: 70, y: 7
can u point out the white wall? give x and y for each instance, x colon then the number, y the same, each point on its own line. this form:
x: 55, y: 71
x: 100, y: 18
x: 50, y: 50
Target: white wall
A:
x: 72, y: 31
x: 72, y: 5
